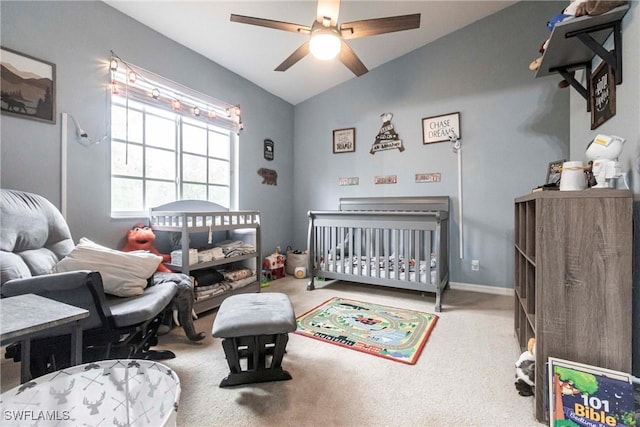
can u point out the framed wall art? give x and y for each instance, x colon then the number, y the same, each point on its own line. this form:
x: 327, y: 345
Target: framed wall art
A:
x: 440, y: 128
x: 28, y: 86
x: 344, y: 140
x: 269, y: 149
x: 602, y: 95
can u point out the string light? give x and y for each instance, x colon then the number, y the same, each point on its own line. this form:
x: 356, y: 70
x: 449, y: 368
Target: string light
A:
x: 143, y: 83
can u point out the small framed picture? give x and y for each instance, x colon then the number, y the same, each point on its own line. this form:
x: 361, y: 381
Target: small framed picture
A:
x: 28, y: 86
x: 441, y: 128
x: 602, y: 95
x: 553, y: 173
x: 268, y: 149
x: 344, y: 140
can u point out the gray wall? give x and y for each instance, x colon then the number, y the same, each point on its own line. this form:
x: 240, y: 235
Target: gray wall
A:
x: 626, y: 123
x: 512, y: 126
x: 78, y: 37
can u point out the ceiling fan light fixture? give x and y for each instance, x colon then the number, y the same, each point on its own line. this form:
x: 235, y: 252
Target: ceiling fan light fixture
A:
x: 325, y: 44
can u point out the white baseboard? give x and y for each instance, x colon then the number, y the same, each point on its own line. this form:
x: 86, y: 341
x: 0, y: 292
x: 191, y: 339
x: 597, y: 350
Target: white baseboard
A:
x: 481, y: 288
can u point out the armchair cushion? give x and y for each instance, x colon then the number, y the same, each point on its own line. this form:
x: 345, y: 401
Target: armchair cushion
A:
x: 123, y: 274
x: 34, y: 235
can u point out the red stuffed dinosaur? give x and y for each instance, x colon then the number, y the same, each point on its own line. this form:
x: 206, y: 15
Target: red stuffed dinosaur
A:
x: 141, y: 238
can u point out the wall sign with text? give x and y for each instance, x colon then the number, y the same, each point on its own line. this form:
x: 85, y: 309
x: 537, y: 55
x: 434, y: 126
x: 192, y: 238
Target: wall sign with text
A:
x: 603, y: 95
x: 350, y: 180
x: 386, y: 179
x: 428, y: 177
x: 269, y: 152
x: 441, y: 128
x: 387, y: 138
x: 344, y: 140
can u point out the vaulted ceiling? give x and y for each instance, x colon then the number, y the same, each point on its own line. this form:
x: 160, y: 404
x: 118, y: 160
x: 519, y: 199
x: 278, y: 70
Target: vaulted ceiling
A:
x: 253, y: 52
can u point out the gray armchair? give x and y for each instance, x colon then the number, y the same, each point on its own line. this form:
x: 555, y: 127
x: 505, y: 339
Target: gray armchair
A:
x: 34, y: 237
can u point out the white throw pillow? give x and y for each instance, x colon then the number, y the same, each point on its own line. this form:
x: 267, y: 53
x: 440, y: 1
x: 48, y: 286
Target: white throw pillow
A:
x: 123, y: 274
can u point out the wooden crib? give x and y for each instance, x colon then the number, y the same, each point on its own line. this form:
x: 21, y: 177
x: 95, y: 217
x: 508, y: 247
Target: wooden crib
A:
x: 400, y: 242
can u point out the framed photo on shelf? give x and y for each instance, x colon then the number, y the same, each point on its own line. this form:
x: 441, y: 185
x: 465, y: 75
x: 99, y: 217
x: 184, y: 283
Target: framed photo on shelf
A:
x: 553, y: 173
x: 28, y: 86
x: 344, y: 140
x: 602, y: 94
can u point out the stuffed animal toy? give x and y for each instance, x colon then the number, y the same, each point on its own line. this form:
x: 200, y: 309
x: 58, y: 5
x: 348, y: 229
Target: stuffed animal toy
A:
x: 141, y: 237
x: 575, y: 9
x: 526, y: 370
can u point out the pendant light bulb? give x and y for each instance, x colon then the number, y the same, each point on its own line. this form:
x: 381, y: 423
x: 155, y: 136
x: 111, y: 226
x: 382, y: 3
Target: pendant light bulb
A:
x: 325, y: 44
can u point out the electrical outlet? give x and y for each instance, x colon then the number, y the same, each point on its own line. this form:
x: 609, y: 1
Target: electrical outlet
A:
x: 475, y: 265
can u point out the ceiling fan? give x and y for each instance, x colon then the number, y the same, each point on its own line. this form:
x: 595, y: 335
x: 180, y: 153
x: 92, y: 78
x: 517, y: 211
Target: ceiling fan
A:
x: 327, y: 38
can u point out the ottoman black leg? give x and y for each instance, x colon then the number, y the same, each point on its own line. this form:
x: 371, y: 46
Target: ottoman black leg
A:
x: 230, y: 348
x: 255, y: 349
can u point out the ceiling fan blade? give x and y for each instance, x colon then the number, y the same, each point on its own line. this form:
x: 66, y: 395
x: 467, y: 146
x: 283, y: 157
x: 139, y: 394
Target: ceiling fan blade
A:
x: 277, y: 25
x: 329, y: 9
x: 372, y: 27
x: 296, y: 56
x: 351, y: 60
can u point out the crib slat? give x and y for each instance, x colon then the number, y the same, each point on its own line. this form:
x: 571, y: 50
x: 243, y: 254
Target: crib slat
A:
x: 376, y: 256
x: 428, y: 250
x: 416, y: 255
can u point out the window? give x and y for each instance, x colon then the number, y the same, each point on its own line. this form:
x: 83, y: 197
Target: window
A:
x: 160, y: 153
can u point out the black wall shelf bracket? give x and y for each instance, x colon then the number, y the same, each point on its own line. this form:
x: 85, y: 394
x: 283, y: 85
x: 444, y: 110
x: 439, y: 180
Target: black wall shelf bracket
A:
x: 570, y: 77
x: 576, y: 42
x: 610, y: 57
x: 613, y: 58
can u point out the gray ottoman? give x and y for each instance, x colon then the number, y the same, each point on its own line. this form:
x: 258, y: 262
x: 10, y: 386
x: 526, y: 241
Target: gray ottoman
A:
x: 252, y: 327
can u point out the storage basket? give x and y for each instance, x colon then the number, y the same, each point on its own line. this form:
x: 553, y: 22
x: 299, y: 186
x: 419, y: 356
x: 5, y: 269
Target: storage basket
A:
x: 296, y: 260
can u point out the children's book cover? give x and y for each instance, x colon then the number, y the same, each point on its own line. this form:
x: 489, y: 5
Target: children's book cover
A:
x: 584, y: 395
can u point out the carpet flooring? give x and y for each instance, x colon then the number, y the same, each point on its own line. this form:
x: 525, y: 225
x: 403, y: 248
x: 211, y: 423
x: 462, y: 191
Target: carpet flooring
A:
x: 464, y: 376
